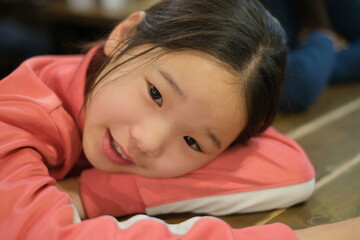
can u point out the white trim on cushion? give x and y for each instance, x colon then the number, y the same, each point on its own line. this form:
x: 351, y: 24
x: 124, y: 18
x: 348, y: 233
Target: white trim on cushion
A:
x: 245, y: 202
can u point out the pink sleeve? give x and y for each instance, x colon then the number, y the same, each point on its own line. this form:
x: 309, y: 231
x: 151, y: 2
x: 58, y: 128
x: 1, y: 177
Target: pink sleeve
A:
x: 269, y: 161
x: 123, y: 199
x: 31, y: 207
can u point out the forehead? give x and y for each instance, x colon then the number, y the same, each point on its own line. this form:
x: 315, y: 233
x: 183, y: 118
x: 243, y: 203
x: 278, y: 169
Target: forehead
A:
x: 199, y: 69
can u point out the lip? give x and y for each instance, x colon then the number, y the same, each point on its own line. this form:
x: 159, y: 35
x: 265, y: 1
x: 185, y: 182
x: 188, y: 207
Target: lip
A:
x: 112, y: 154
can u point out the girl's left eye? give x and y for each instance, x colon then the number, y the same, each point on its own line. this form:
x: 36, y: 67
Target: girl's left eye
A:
x: 192, y: 143
x: 155, y: 95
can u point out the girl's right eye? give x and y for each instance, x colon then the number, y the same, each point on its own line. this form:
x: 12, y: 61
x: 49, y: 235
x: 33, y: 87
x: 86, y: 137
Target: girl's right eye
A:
x: 155, y: 95
x: 192, y: 143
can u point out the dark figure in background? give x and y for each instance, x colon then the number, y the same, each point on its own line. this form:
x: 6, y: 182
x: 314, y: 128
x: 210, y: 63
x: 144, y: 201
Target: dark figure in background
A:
x: 19, y: 41
x: 324, y: 41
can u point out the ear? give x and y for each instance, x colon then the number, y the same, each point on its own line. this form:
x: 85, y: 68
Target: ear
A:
x: 121, y: 32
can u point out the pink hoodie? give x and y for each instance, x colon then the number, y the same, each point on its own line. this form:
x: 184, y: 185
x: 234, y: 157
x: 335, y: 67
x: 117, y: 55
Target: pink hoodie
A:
x: 40, y: 141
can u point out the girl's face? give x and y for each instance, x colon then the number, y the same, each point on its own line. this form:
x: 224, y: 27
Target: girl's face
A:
x: 162, y: 118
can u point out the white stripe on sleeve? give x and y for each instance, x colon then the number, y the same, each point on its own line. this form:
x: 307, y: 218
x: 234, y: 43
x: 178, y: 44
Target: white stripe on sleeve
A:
x: 244, y: 202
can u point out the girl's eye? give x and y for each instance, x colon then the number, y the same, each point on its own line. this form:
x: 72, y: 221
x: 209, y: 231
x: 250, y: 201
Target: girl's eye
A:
x: 192, y: 143
x: 155, y: 95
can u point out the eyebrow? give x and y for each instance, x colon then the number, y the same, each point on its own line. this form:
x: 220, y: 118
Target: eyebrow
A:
x: 213, y: 138
x: 169, y: 79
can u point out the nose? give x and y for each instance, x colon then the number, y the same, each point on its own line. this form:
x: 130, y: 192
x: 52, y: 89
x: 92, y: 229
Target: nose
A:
x: 150, y: 136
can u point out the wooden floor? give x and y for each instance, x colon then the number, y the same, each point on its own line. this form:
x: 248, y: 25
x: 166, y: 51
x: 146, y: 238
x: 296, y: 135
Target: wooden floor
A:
x: 330, y: 134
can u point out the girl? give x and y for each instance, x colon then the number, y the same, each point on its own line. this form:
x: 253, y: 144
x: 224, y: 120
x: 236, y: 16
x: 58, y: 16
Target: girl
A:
x: 185, y: 91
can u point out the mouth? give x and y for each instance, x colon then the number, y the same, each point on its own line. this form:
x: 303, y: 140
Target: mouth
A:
x: 118, y: 149
x: 113, y: 151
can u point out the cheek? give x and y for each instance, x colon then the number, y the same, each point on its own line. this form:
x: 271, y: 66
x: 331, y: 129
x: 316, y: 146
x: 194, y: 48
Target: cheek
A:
x: 175, y: 167
x: 112, y: 105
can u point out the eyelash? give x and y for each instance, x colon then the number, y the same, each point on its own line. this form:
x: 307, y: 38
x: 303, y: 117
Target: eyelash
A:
x: 190, y: 141
x: 156, y: 96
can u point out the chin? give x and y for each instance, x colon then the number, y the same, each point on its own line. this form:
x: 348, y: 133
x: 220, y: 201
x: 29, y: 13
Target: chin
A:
x: 93, y: 162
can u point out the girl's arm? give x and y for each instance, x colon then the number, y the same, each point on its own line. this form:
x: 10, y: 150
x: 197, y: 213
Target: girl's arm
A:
x: 72, y: 187
x: 349, y: 229
x: 31, y: 207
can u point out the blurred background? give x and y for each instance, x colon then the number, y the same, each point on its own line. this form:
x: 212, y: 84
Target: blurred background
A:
x: 37, y: 27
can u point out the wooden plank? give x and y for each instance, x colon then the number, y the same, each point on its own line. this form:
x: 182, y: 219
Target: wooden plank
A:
x: 235, y: 220
x: 330, y: 148
x: 333, y: 144
x: 338, y: 200
x: 333, y: 97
